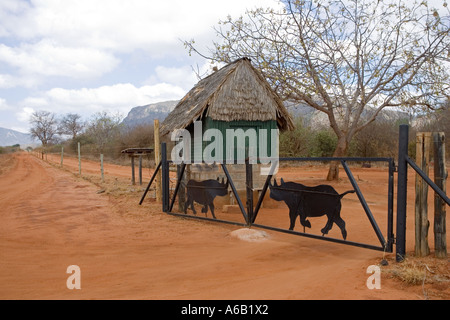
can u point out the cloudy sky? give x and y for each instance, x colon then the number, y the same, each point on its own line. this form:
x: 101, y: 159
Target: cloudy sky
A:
x: 86, y: 56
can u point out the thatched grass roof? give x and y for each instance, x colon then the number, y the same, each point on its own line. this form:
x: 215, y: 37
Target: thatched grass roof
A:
x: 235, y: 92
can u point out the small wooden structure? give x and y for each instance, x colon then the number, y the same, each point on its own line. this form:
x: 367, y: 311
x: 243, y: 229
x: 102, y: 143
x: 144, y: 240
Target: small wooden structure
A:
x: 136, y: 153
x: 235, y: 97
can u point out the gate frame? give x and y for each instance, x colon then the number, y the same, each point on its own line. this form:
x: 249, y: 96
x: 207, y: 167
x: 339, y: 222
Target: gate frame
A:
x: 386, y: 245
x: 250, y: 215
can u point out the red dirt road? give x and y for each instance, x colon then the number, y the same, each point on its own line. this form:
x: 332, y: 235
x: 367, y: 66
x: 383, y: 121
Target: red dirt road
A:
x: 51, y: 219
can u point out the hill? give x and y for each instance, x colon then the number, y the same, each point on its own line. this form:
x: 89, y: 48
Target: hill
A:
x: 9, y: 137
x: 146, y: 114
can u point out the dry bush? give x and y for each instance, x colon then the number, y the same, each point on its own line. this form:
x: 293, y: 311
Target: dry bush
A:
x: 430, y: 275
x: 410, y: 272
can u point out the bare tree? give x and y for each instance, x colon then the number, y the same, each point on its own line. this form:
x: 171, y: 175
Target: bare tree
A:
x: 71, y: 124
x: 348, y: 59
x: 43, y: 126
x: 104, y: 128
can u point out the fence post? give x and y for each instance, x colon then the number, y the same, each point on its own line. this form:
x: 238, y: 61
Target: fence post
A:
x: 401, y: 192
x: 133, y: 179
x: 62, y: 156
x: 79, y: 159
x: 440, y: 178
x: 423, y: 145
x: 101, y: 167
x: 157, y: 159
x: 140, y: 169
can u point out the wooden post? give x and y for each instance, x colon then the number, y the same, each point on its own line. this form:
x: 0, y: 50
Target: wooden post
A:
x: 133, y: 180
x: 79, y: 159
x: 62, y: 155
x: 423, y: 146
x: 440, y: 178
x: 157, y: 160
x: 101, y: 167
x: 140, y: 169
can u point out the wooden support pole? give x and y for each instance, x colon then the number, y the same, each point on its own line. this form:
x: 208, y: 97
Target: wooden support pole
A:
x: 423, y: 147
x: 133, y: 180
x: 140, y: 170
x: 440, y: 178
x: 101, y: 167
x: 157, y: 160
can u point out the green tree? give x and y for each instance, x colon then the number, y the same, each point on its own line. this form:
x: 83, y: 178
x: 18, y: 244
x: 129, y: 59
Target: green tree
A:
x: 324, y: 144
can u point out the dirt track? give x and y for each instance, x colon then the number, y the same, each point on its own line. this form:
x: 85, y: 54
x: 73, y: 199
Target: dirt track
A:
x: 50, y: 219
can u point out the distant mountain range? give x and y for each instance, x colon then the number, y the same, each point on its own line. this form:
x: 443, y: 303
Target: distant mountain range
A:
x: 146, y: 114
x: 10, y: 137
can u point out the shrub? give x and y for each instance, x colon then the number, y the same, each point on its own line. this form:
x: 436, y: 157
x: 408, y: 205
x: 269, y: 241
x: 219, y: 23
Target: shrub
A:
x: 296, y: 143
x: 324, y: 144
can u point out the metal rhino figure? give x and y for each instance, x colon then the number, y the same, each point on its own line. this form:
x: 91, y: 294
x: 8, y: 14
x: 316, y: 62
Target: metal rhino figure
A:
x: 306, y: 202
x: 204, y: 192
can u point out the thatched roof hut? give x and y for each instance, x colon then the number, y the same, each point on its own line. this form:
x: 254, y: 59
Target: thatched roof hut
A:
x: 236, y: 92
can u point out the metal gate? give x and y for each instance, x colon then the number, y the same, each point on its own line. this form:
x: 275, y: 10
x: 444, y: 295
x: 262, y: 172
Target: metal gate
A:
x: 250, y: 211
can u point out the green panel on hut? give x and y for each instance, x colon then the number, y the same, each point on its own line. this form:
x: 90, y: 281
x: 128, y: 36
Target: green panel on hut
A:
x: 255, y: 126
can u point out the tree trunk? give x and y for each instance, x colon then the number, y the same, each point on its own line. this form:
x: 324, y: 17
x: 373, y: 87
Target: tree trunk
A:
x: 341, y: 151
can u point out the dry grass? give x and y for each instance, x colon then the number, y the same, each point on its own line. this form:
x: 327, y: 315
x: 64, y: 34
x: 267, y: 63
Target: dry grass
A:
x: 6, y: 163
x: 410, y: 272
x: 430, y: 275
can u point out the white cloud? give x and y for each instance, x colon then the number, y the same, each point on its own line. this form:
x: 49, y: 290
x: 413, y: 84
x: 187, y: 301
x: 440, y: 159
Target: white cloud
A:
x: 24, y: 114
x: 8, y: 81
x: 184, y: 77
x: 45, y: 43
x: 47, y: 59
x: 82, y: 39
x: 3, y: 105
x: 119, y: 25
x: 116, y: 98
